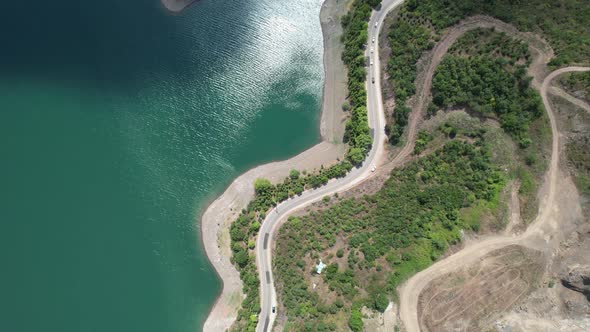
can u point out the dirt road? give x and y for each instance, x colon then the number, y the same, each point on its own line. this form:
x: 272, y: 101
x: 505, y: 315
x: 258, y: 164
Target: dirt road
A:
x: 540, y: 230
x: 561, y: 93
x: 424, y: 80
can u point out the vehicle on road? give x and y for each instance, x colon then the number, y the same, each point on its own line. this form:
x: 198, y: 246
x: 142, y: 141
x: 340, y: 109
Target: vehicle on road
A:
x: 373, y: 168
x: 371, y: 62
x: 372, y: 50
x: 376, y: 115
x: 375, y: 24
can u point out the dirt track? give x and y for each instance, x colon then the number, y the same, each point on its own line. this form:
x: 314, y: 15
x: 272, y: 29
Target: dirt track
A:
x: 561, y: 93
x: 490, y: 286
x: 544, y: 226
x: 424, y: 80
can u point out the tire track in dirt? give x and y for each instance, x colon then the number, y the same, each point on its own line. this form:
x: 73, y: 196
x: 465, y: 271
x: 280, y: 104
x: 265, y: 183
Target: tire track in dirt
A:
x: 411, y: 289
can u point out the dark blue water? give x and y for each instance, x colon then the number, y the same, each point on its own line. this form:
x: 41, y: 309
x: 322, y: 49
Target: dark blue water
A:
x: 118, y: 123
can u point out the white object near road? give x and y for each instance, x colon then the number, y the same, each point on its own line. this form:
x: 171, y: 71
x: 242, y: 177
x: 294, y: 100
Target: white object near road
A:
x: 320, y: 267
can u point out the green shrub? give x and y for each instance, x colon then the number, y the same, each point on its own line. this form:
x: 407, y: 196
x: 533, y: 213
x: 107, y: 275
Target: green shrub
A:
x: 355, y: 322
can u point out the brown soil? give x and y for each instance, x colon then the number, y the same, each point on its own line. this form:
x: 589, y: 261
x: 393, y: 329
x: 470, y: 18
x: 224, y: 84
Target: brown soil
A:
x: 559, y: 210
x: 560, y: 216
x: 494, y: 284
x: 514, y: 221
x: 563, y: 304
x: 574, y: 125
x: 571, y: 99
x: 375, y: 321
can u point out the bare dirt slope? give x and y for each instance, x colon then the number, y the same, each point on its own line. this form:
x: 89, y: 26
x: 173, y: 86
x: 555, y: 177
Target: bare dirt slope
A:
x: 546, y: 227
x: 561, y: 93
x: 545, y: 233
x: 493, y: 285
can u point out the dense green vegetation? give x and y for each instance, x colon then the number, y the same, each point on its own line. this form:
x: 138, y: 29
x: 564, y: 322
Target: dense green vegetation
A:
x: 408, y: 38
x: 354, y: 37
x: 423, y: 138
x: 565, y: 23
x: 485, y: 86
x: 418, y: 213
x: 245, y: 228
x: 387, y: 236
x: 480, y: 41
x: 373, y: 243
x: 484, y: 73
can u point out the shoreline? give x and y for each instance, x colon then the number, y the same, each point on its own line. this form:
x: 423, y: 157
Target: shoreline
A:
x: 217, y: 218
x: 335, y: 89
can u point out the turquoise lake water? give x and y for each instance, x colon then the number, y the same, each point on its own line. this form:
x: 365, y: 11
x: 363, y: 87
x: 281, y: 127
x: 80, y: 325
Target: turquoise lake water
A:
x: 119, y: 122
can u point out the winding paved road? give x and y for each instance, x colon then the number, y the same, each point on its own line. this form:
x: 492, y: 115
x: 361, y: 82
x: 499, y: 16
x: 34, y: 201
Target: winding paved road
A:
x: 279, y: 214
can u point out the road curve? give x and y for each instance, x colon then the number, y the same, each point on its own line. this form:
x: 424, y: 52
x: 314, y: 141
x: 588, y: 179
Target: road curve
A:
x: 279, y: 214
x: 410, y: 291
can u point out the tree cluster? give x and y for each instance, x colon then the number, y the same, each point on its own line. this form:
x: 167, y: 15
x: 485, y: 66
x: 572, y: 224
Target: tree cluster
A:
x: 408, y: 38
x: 354, y: 38
x: 406, y: 226
x: 244, y: 230
x: 481, y: 41
x: 482, y: 84
x: 565, y: 23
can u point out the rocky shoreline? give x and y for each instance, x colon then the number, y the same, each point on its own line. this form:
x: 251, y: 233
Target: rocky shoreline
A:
x: 219, y: 215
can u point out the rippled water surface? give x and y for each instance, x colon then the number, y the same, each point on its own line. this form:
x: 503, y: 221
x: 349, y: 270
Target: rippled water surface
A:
x: 118, y: 123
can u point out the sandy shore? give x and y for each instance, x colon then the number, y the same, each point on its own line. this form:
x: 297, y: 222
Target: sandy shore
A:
x: 335, y: 84
x: 220, y: 214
